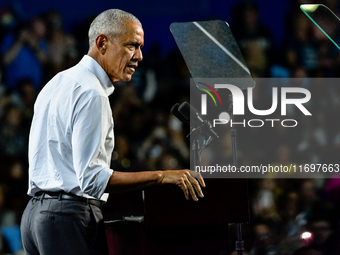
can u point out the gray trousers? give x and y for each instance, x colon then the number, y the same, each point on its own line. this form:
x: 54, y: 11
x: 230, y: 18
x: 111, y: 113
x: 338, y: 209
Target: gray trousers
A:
x: 62, y: 227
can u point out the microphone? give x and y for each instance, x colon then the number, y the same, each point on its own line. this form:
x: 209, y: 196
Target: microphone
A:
x: 190, y: 114
x: 178, y: 115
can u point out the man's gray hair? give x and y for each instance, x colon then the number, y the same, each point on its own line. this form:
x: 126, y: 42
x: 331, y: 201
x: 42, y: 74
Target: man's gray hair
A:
x: 110, y: 23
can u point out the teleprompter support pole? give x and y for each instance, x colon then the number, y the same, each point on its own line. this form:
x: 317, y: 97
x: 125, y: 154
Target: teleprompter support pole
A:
x: 239, y: 244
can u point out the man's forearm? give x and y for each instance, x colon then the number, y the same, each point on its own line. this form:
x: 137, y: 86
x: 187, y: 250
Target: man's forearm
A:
x: 189, y: 181
x: 128, y: 181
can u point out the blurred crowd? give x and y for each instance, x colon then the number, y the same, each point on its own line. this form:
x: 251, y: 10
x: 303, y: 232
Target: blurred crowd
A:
x: 288, y: 216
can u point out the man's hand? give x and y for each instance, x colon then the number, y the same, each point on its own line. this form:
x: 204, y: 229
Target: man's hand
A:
x: 187, y: 180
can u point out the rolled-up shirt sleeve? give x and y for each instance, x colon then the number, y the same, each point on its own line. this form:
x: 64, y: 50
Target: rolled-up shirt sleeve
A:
x: 92, y: 142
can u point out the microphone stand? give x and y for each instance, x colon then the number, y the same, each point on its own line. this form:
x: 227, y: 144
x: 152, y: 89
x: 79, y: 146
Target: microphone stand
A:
x: 194, y: 136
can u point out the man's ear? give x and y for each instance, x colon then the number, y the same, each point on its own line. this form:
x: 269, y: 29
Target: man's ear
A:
x: 101, y: 43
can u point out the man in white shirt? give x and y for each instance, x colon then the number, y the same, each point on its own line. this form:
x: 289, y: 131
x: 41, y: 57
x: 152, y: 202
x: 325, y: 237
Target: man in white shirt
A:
x: 71, y: 142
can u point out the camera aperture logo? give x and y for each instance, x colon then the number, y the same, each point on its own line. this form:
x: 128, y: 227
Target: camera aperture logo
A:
x: 238, y: 100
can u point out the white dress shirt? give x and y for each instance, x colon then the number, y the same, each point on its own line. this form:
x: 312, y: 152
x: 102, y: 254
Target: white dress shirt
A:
x: 71, y: 137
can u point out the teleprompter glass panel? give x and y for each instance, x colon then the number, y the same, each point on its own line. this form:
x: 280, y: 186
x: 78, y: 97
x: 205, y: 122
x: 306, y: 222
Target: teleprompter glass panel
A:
x: 210, y: 51
x: 324, y: 19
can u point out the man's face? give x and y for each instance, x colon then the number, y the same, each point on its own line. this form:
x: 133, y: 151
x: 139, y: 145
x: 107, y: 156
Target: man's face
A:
x: 122, y: 54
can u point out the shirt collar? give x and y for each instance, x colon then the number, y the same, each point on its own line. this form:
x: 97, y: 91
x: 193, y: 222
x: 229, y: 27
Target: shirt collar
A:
x: 99, y: 72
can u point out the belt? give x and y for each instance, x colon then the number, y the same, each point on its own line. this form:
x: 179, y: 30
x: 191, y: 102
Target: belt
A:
x: 67, y: 196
